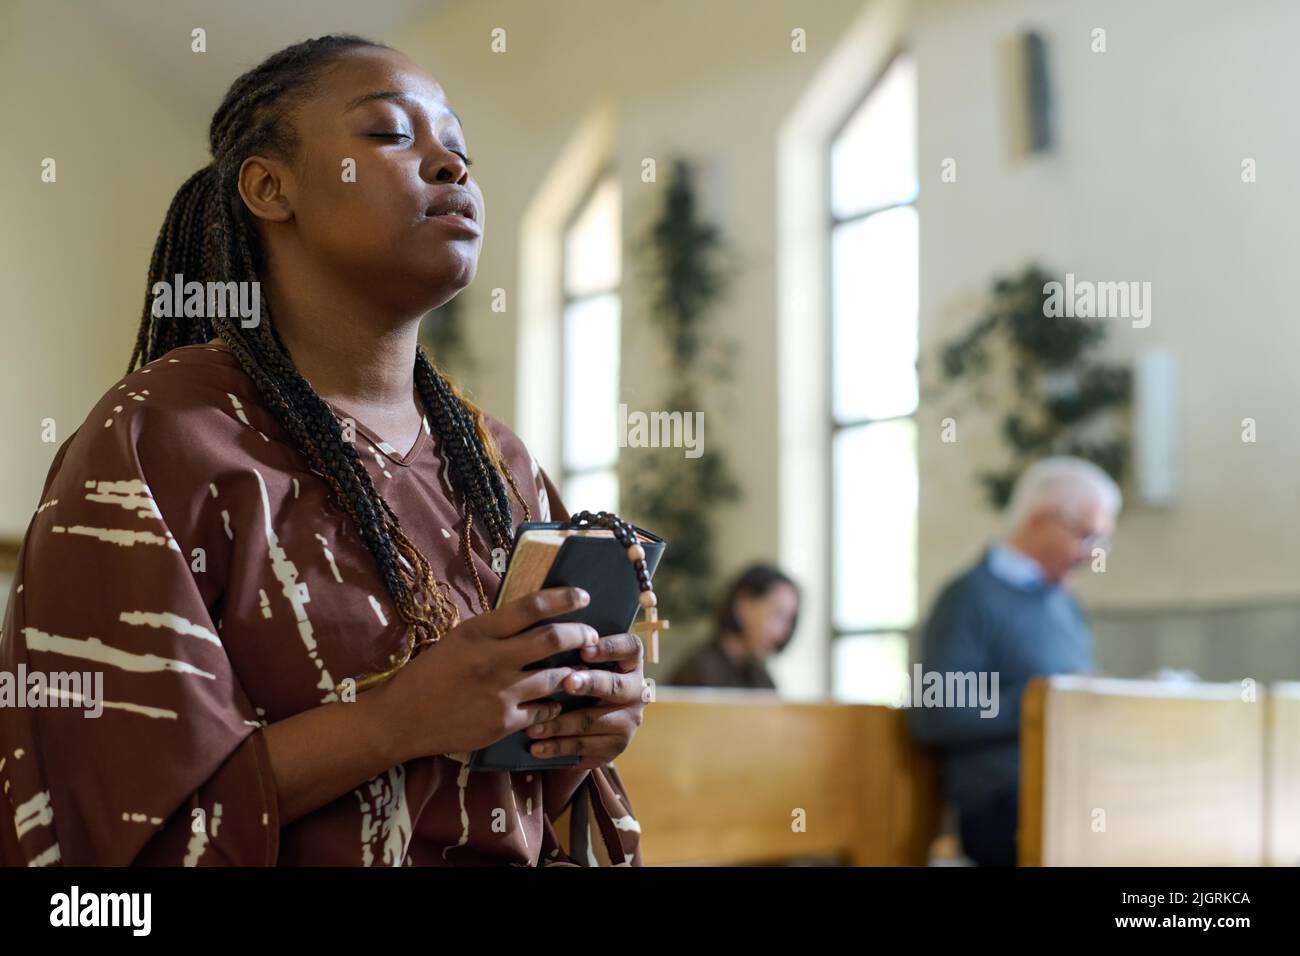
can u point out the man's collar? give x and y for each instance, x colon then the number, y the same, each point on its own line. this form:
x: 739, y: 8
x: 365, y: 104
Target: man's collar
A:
x: 1016, y: 568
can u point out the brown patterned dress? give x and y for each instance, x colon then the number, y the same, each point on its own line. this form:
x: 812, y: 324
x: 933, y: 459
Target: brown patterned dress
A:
x: 183, y: 550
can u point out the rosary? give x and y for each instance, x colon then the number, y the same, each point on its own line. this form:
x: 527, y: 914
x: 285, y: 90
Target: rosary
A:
x: 626, y: 536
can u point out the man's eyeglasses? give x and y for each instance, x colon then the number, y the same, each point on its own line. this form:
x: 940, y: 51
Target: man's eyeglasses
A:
x: 1087, y: 538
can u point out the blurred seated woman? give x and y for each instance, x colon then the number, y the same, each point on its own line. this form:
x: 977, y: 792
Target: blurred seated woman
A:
x: 756, y: 619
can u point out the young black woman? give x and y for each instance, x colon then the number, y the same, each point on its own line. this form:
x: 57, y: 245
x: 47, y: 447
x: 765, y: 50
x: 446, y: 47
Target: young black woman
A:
x: 275, y: 538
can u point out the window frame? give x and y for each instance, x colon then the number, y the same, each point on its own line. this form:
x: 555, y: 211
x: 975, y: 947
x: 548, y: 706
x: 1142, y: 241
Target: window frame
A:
x: 607, y: 170
x: 836, y: 426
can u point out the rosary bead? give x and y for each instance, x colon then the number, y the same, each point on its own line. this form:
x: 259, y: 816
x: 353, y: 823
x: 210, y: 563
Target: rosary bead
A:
x: 648, y: 599
x: 636, y: 553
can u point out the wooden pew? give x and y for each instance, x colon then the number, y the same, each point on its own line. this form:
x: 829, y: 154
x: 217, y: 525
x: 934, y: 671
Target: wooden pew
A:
x: 717, y: 776
x: 1141, y: 773
x: 1283, y: 794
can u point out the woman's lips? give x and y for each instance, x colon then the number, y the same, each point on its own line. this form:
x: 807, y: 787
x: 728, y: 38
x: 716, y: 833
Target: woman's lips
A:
x: 457, y: 222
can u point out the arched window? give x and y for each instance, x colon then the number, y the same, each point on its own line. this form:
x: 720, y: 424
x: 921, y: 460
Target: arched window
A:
x: 874, y: 393
x: 591, y: 334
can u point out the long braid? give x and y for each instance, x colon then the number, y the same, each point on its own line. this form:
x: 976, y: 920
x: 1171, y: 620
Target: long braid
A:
x: 467, y: 450
x: 209, y: 235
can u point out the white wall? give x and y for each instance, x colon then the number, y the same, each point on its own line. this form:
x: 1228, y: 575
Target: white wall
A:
x: 1145, y: 185
x: 74, y: 254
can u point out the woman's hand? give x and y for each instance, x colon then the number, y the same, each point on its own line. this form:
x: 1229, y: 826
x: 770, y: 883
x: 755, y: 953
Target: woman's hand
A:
x: 598, y: 734
x: 470, y: 689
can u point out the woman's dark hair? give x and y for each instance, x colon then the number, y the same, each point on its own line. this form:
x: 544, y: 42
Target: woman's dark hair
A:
x: 755, y: 581
x: 210, y: 236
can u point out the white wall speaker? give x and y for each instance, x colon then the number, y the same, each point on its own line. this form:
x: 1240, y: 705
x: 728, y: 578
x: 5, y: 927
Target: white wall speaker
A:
x: 1155, y: 427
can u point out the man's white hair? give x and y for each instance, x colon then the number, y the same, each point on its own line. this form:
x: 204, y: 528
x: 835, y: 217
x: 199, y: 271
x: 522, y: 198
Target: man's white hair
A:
x: 1063, y: 482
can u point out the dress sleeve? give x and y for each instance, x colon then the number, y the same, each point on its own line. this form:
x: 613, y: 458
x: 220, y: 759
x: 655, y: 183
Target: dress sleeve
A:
x: 142, y: 747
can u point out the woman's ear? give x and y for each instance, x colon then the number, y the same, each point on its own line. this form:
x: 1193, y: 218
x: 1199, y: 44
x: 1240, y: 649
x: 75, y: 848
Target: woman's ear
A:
x: 264, y: 185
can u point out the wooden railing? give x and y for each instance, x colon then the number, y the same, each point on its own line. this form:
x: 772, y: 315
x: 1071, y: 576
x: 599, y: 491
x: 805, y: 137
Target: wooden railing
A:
x: 1152, y: 774
x: 1282, y: 834
x: 741, y: 777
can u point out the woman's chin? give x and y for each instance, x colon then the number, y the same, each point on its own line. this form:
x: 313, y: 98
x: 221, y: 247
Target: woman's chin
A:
x: 439, y: 287
x: 447, y: 267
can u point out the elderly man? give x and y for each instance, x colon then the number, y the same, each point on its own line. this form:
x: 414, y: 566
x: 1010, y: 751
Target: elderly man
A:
x: 1009, y: 615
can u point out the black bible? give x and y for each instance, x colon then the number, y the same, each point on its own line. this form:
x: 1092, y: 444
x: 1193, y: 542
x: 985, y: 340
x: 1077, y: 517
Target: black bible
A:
x: 554, y: 554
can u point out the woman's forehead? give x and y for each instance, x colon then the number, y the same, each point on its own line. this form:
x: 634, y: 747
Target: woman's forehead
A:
x: 359, y: 73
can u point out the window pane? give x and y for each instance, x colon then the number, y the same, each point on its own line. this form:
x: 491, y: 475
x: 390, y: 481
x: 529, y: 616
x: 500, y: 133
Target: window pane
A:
x: 870, y: 668
x: 591, y: 364
x: 591, y: 491
x: 875, y: 526
x: 874, y: 327
x: 873, y: 160
x: 592, y: 253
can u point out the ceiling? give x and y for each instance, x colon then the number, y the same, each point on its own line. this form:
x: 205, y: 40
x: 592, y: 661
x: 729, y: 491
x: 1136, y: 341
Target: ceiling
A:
x: 240, y: 33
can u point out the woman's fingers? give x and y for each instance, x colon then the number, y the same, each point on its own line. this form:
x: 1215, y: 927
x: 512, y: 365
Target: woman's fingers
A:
x: 601, y: 748
x: 613, y: 686
x: 539, y: 713
x: 538, y: 643
x: 625, y: 650
x: 584, y: 721
x: 522, y: 613
x: 536, y: 684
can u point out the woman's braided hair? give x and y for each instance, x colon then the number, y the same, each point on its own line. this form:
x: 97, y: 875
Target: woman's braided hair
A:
x: 210, y: 236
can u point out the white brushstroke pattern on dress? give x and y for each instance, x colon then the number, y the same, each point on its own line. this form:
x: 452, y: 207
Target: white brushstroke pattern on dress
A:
x: 379, y: 460
x: 173, y: 622
x: 120, y: 536
x: 93, y: 649
x: 385, y: 818
x: 239, y: 410
x: 198, y: 844
x: 33, y: 813
x: 132, y: 494
x: 462, y: 781
x: 329, y: 556
x: 286, y: 572
x: 543, y: 500
x: 140, y: 818
x: 142, y: 709
x: 47, y: 857
x: 514, y: 802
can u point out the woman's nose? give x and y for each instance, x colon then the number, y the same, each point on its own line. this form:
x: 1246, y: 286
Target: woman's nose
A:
x: 444, y: 166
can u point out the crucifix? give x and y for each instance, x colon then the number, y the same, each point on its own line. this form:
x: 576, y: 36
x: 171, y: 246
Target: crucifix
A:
x: 650, y: 628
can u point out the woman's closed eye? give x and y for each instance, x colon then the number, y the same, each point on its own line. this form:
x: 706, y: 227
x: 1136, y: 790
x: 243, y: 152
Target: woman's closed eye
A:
x: 408, y: 137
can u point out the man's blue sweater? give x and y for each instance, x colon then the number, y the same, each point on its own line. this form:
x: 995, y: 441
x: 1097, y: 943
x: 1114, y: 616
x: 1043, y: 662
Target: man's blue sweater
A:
x: 987, y: 621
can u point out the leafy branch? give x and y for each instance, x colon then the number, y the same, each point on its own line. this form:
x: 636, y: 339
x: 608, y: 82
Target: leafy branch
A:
x: 1064, y: 400
x: 689, y: 269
